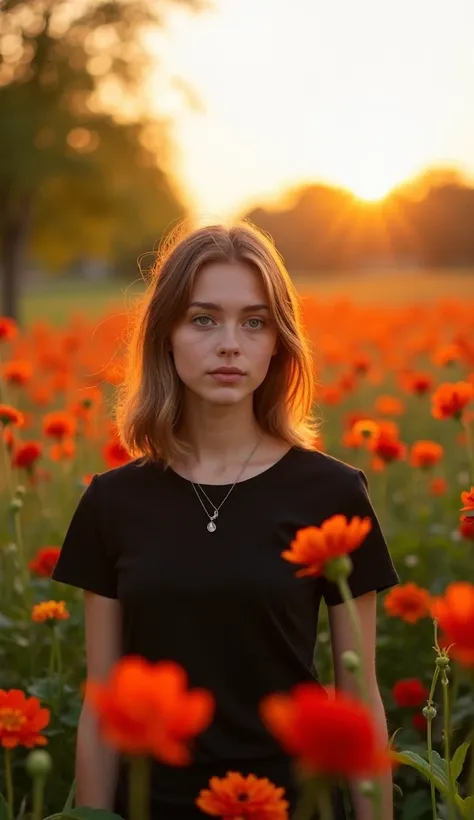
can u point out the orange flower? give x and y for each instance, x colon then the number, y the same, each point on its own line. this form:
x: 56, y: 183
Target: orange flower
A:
x: 329, y: 732
x: 239, y: 797
x: 408, y: 602
x: 466, y: 527
x: 9, y: 415
x: 115, y: 454
x: 366, y: 428
x: 419, y: 383
x: 45, y: 561
x: 318, y: 546
x: 450, y: 399
x: 455, y: 615
x: 389, y: 406
x: 425, y: 454
x: 467, y: 499
x: 62, y: 450
x: 21, y: 720
x: 59, y: 424
x: 18, y: 372
x: 145, y: 708
x: 27, y: 454
x: 49, y: 611
x: 387, y: 446
x: 447, y: 355
x: 438, y: 486
x: 8, y: 329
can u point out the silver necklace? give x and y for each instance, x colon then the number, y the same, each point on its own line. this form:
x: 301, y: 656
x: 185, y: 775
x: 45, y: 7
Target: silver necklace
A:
x: 211, y: 525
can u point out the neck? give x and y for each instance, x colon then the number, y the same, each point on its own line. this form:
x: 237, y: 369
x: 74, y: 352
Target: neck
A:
x: 220, y: 436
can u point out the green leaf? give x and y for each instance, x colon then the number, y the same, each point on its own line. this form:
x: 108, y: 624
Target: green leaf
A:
x: 85, y: 813
x: 3, y: 808
x: 44, y: 689
x: 466, y: 808
x: 459, y: 757
x: 438, y: 776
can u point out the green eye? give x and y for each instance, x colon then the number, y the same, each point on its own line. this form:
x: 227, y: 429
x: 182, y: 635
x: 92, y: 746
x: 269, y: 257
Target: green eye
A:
x: 255, y: 323
x: 202, y: 321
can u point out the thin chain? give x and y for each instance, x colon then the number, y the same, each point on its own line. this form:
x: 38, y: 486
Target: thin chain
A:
x: 216, y: 509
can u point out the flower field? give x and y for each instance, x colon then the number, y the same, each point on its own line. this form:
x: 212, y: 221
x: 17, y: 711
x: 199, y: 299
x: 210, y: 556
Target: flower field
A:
x: 395, y: 392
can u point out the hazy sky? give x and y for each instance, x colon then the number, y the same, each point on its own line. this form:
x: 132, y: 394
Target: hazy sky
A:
x: 362, y: 94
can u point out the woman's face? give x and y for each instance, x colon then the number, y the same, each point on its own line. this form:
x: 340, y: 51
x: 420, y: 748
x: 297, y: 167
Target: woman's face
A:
x: 223, y: 345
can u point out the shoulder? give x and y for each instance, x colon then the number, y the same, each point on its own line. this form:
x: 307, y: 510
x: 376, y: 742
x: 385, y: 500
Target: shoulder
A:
x: 131, y: 477
x: 314, y: 464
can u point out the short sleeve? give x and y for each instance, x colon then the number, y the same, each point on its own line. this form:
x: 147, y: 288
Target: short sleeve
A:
x: 84, y: 561
x: 372, y: 565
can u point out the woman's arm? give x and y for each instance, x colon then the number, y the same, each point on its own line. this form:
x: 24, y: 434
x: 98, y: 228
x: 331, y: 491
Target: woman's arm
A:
x: 96, y: 763
x: 342, y: 638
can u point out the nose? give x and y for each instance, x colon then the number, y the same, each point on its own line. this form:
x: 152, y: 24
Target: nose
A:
x: 228, y: 343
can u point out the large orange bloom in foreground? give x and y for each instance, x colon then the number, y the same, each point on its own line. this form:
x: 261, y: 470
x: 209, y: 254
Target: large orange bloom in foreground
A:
x: 145, y: 708
x: 239, y: 797
x: 455, y: 615
x: 408, y: 602
x: 330, y: 733
x: 317, y: 546
x: 450, y: 399
x: 21, y: 720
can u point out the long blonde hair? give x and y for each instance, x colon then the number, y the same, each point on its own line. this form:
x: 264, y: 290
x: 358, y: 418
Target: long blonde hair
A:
x: 149, y: 401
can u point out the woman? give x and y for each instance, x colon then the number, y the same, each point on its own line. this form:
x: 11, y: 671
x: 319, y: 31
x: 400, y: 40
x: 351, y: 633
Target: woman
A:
x: 179, y: 551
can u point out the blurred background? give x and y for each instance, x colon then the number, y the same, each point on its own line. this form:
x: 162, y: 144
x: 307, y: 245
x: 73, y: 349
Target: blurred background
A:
x: 344, y: 129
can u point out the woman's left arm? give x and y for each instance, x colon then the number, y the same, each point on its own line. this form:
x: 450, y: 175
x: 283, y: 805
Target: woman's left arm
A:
x: 342, y: 639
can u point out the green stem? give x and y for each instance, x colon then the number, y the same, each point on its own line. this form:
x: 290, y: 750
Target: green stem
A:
x: 323, y: 801
x: 9, y: 783
x: 447, y: 744
x: 469, y: 445
x: 52, y: 655
x: 139, y: 787
x: 362, y: 682
x: 57, y: 652
x: 38, y: 789
x: 6, y: 461
x: 430, y: 743
x: 21, y: 556
x: 314, y: 794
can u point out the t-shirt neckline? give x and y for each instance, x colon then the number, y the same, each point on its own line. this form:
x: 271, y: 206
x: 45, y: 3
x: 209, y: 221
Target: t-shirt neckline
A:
x: 267, y: 471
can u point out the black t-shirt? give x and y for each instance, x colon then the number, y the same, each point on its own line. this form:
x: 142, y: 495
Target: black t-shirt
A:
x: 223, y: 604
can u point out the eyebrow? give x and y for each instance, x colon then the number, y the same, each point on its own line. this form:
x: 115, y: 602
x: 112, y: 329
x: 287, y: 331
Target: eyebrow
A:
x: 213, y: 306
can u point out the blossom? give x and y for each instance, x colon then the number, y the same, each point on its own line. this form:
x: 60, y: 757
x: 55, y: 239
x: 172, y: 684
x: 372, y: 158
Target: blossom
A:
x: 18, y: 372
x: 8, y: 329
x: 425, y: 453
x: 389, y: 406
x: 387, y: 446
x: 408, y: 602
x: 10, y: 415
x: 49, y: 611
x: 115, y: 454
x: 316, y: 547
x: 455, y: 615
x: 438, y: 486
x: 59, y: 424
x: 145, y: 708
x: 21, y: 720
x: 330, y: 733
x: 467, y: 499
x: 44, y: 561
x: 450, y: 399
x: 239, y: 797
x: 27, y: 454
x: 409, y: 692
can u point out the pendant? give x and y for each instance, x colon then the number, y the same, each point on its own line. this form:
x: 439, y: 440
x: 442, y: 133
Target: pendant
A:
x: 211, y: 526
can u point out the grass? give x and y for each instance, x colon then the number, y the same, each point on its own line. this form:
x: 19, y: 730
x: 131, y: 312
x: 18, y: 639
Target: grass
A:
x: 55, y: 300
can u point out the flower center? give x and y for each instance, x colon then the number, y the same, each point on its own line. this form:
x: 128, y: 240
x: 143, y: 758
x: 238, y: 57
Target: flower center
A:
x: 11, y: 719
x: 242, y: 797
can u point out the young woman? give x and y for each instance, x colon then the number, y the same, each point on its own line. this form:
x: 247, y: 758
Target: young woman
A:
x: 179, y: 551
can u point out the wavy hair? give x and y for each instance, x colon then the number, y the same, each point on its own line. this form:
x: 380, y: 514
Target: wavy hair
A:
x: 149, y: 400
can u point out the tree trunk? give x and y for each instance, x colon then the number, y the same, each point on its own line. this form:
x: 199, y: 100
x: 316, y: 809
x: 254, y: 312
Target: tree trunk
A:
x: 14, y: 236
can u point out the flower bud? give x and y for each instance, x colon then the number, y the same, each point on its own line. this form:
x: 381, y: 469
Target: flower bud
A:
x: 16, y: 504
x: 351, y: 660
x: 20, y: 490
x: 338, y: 568
x: 429, y: 712
x: 442, y: 661
x: 38, y: 763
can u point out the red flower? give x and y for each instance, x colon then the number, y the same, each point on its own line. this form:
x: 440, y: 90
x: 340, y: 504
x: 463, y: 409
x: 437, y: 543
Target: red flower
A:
x: 115, y: 454
x: 331, y: 733
x: 27, y: 454
x: 450, y: 399
x: 59, y: 424
x: 21, y: 720
x: 8, y: 329
x: 44, y: 561
x: 387, y: 446
x: 455, y: 615
x: 10, y: 415
x: 239, y: 797
x: 408, y: 602
x: 409, y: 692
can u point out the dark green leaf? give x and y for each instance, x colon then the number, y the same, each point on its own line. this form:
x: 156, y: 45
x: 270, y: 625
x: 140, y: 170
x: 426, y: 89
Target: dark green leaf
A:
x: 3, y: 808
x: 459, y: 757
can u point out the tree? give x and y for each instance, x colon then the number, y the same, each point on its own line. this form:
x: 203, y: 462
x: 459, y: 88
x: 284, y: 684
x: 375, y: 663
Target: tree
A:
x: 72, y: 135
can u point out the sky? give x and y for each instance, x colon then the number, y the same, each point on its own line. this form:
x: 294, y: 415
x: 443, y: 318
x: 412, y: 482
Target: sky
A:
x: 360, y: 94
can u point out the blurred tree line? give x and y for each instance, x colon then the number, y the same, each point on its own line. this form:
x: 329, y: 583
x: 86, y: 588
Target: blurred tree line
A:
x: 82, y: 167
x: 428, y: 222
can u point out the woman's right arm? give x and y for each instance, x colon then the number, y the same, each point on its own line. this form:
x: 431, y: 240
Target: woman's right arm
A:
x: 97, y: 763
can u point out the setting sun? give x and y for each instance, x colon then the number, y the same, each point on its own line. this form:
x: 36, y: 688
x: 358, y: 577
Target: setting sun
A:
x: 326, y: 97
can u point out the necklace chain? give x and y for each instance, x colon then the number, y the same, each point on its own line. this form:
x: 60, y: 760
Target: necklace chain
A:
x: 211, y: 526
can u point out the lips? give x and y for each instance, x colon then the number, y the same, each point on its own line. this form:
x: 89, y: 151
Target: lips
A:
x: 229, y: 371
